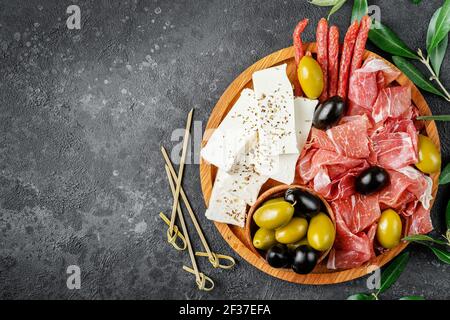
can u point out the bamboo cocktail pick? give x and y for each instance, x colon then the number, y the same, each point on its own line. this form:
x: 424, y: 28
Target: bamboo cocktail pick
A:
x: 214, y: 258
x: 200, y: 278
x: 171, y: 236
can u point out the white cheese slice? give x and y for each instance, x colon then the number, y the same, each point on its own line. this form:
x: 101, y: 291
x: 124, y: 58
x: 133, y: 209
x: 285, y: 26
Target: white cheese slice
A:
x: 234, y: 189
x: 275, y: 97
x: 235, y: 133
x: 243, y: 180
x: 304, y: 113
x: 282, y: 167
x: 226, y: 208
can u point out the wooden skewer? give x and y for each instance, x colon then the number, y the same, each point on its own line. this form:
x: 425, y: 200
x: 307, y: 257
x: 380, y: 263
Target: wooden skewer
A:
x: 171, y: 237
x: 200, y: 277
x: 212, y: 256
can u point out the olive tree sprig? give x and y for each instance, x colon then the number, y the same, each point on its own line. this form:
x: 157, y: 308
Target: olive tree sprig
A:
x: 426, y: 62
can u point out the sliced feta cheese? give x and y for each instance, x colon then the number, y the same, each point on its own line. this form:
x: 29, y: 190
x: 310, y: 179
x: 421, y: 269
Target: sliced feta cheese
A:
x: 234, y: 189
x: 303, y: 113
x: 226, y: 208
x: 243, y: 180
x: 282, y: 167
x: 275, y: 97
x: 235, y: 133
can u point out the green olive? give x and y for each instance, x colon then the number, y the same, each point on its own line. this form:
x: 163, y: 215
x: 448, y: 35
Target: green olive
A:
x: 295, y: 245
x: 264, y: 239
x: 429, y: 156
x: 310, y: 77
x: 274, y: 200
x: 389, y: 230
x: 275, y: 215
x: 321, y: 232
x: 294, y: 231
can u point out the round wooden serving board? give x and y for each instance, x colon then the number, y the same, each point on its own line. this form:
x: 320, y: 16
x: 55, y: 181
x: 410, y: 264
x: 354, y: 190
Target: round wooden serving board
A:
x: 235, y: 236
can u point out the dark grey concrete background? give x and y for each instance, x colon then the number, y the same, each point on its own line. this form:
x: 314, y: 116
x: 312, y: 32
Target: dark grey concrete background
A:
x: 83, y: 113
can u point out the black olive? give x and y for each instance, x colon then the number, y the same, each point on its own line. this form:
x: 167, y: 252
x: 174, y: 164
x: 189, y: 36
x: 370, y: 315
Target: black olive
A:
x: 278, y: 256
x: 372, y: 180
x: 304, y: 202
x: 329, y: 113
x: 304, y: 260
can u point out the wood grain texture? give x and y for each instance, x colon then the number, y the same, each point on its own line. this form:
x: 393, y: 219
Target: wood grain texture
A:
x: 235, y: 236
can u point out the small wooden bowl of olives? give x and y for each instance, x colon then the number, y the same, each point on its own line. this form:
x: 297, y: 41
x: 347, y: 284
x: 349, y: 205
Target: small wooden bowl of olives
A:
x: 291, y: 226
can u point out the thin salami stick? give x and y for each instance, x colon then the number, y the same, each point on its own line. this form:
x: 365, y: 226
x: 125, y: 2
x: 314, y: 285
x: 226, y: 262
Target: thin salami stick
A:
x: 322, y: 54
x: 333, y: 60
x: 360, y: 44
x: 298, y: 51
x: 297, y: 37
x: 346, y: 59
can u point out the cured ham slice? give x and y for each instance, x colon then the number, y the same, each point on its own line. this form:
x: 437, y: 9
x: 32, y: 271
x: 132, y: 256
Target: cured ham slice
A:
x: 329, y: 173
x: 358, y: 211
x: 350, y: 139
x: 320, y: 140
x: 368, y: 80
x: 310, y: 165
x: 407, y: 184
x: 375, y: 65
x: 395, y: 150
x: 363, y: 88
x: 350, y: 250
x: 420, y: 221
x: 356, y: 110
x: 392, y: 102
x: 337, y: 188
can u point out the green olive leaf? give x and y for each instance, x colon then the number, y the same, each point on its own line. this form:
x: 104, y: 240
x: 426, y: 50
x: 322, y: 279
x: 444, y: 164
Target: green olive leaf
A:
x: 423, y: 238
x: 361, y: 296
x: 416, y: 1
x: 442, y: 255
x: 359, y: 10
x: 412, y: 298
x: 393, y: 271
x: 444, y: 178
x: 323, y: 3
x: 438, y: 53
x: 336, y: 7
x: 415, y: 75
x: 444, y: 117
x: 442, y: 26
x: 385, y: 39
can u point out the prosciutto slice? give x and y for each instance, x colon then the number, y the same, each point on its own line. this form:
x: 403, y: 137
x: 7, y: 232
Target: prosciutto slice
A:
x: 395, y: 150
x: 350, y: 139
x: 368, y: 80
x: 363, y: 88
x: 420, y: 221
x: 350, y: 250
x: 358, y: 211
x: 392, y: 102
x: 329, y: 173
x: 407, y: 184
